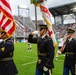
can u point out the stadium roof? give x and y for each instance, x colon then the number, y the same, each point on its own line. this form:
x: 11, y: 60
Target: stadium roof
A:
x: 63, y: 9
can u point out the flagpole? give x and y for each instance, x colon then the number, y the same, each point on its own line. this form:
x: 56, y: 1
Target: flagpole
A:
x: 36, y: 17
x: 36, y: 28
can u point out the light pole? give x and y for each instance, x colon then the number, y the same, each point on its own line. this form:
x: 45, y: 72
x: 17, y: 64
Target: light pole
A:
x: 23, y: 11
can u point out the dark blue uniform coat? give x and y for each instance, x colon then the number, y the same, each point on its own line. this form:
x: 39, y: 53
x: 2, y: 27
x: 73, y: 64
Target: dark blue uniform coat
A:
x: 70, y: 57
x: 45, y: 51
x: 70, y: 50
x: 7, y: 66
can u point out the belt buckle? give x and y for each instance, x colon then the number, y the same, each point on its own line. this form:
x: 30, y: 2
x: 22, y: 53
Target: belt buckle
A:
x: 39, y: 61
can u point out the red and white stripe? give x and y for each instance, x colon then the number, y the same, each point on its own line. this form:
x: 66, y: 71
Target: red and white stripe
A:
x: 6, y: 19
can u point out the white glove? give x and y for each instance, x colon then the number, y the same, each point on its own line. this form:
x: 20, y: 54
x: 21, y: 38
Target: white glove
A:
x: 36, y: 32
x: 45, y: 69
x: 1, y: 40
x: 59, y: 52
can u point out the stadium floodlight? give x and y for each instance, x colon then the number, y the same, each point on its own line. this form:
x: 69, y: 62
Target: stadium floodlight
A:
x: 23, y: 7
x: 23, y: 11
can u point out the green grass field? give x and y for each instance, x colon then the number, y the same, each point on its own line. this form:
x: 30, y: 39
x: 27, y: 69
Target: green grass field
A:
x: 26, y: 61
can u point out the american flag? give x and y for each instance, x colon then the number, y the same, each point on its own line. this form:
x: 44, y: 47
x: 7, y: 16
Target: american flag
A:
x: 6, y: 19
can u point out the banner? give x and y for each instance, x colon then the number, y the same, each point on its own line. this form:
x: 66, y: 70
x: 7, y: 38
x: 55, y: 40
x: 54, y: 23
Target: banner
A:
x: 47, y: 16
x: 48, y: 19
x: 7, y: 23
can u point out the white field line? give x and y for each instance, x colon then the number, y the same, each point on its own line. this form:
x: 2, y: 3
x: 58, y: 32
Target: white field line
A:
x: 29, y: 63
x: 35, y: 61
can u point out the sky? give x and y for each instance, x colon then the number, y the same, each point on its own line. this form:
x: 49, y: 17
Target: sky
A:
x: 50, y: 3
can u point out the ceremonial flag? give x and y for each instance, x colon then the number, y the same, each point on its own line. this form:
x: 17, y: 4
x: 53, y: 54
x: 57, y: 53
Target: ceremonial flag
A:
x: 48, y: 19
x: 7, y: 23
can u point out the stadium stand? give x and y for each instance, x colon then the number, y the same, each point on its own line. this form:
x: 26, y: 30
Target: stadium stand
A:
x: 62, y: 14
x: 63, y: 9
x: 25, y: 25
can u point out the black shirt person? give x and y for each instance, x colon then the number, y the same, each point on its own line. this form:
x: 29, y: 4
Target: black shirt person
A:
x: 45, y: 51
x: 7, y: 65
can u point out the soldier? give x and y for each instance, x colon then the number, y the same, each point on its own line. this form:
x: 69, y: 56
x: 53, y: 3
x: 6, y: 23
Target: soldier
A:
x: 69, y: 48
x: 45, y: 51
x: 7, y: 66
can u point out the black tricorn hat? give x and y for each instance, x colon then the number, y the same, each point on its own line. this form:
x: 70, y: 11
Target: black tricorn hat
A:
x: 70, y: 31
x: 42, y: 26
